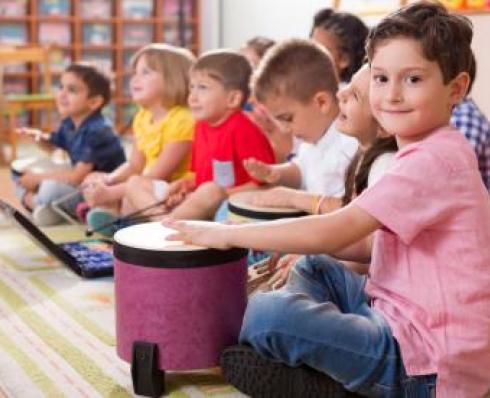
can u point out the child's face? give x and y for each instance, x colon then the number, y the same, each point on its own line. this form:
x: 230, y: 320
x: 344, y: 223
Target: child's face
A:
x: 208, y: 99
x: 407, y: 93
x: 329, y: 41
x: 72, y: 98
x: 355, y: 117
x: 146, y: 85
x: 307, y: 122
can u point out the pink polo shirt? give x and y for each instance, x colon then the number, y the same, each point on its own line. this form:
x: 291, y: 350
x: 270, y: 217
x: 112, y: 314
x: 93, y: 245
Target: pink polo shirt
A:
x: 430, y: 268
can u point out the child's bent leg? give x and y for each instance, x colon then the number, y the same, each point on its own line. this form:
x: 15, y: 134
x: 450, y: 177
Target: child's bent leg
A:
x: 201, y: 204
x: 139, y: 193
x: 51, y: 190
x: 334, y: 332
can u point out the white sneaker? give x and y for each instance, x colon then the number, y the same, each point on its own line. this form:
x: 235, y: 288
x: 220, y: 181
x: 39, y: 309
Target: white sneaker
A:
x: 45, y: 216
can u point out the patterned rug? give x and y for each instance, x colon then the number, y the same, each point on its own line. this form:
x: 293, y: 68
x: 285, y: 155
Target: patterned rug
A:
x: 57, y: 330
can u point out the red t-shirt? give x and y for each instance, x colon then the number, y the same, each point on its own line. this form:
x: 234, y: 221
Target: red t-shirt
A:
x: 218, y: 152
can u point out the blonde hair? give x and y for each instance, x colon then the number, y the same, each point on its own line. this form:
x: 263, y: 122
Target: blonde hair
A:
x: 173, y: 63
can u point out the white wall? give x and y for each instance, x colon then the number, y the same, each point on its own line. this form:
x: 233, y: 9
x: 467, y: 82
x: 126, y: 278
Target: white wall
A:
x: 229, y: 23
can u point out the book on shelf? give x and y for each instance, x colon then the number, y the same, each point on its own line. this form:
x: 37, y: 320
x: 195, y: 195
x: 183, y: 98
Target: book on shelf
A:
x: 137, y: 9
x: 96, y: 8
x: 59, y: 60
x: 101, y: 59
x: 54, y: 33
x: 54, y: 7
x: 97, y: 34
x: 177, y: 8
x: 12, y: 33
x: 12, y: 86
x: 137, y: 34
x: 13, y: 8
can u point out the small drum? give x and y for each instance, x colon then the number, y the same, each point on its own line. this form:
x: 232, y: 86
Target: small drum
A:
x: 36, y: 165
x: 240, y: 211
x: 177, y: 306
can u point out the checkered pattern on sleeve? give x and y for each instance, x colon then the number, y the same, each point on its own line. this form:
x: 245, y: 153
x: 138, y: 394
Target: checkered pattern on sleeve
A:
x: 470, y: 120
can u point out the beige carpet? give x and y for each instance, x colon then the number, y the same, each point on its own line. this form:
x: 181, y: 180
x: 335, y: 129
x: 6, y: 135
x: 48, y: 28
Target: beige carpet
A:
x: 57, y: 331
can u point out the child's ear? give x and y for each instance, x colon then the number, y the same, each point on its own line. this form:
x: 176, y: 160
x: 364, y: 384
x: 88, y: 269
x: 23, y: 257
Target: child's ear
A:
x: 95, y: 102
x: 235, y: 98
x: 324, y: 101
x: 458, y: 88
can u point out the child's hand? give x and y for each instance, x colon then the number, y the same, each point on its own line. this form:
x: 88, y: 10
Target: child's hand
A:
x: 282, y: 267
x: 200, y: 233
x: 37, y: 134
x: 94, y: 194
x: 261, y: 171
x: 29, y: 180
x: 274, y: 197
x: 96, y: 177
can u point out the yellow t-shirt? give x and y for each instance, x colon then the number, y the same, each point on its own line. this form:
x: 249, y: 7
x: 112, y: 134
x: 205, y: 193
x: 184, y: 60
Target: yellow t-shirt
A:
x: 151, y: 138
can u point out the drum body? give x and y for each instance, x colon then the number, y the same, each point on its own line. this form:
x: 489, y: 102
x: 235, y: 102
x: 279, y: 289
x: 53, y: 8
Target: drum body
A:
x: 188, y: 300
x: 240, y: 211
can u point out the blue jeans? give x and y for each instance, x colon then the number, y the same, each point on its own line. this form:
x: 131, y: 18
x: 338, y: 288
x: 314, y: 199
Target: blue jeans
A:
x: 322, y: 318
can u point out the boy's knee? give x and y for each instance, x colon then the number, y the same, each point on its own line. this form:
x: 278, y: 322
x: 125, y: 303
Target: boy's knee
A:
x: 212, y: 191
x: 50, y: 190
x: 266, y: 312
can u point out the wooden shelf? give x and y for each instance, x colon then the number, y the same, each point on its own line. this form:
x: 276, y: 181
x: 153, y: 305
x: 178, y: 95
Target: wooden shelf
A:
x: 82, y: 44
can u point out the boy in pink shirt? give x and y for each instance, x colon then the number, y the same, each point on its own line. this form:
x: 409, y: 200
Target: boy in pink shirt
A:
x: 419, y: 324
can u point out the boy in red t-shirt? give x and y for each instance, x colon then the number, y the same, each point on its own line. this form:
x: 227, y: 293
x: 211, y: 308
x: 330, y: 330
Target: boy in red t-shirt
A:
x: 224, y: 137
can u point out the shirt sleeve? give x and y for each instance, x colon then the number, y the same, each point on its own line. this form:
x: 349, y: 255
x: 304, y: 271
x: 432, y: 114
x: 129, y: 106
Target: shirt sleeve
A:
x: 252, y: 143
x: 58, y: 137
x: 181, y: 127
x: 412, y: 196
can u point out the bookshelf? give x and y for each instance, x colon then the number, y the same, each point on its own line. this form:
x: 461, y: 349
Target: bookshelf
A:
x: 106, y: 32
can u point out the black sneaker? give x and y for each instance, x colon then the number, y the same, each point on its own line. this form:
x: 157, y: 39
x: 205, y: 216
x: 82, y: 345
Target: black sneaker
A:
x: 260, y: 377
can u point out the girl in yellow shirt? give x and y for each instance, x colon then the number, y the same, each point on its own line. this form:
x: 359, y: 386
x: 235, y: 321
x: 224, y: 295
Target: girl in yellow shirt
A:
x: 163, y: 132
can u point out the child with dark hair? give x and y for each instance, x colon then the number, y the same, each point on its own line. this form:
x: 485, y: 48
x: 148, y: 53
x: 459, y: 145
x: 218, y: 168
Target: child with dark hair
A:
x: 418, y: 324
x: 344, y: 36
x: 85, y: 134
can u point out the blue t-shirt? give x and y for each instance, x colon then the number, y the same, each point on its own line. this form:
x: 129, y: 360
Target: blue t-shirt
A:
x: 94, y: 142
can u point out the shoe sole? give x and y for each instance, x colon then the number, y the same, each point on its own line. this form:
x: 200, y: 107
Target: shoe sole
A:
x: 261, y: 377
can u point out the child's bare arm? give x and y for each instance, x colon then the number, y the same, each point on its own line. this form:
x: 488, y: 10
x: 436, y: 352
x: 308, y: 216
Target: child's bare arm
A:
x: 38, y: 136
x: 287, y: 174
x: 330, y: 233
x: 134, y: 165
x: 169, y: 160
x: 73, y: 176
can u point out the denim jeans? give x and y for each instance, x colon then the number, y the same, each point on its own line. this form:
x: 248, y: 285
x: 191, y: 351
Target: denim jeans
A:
x: 52, y: 190
x: 322, y: 318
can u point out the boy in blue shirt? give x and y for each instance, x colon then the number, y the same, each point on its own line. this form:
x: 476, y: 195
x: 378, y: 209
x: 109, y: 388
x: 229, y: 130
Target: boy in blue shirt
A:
x: 87, y: 137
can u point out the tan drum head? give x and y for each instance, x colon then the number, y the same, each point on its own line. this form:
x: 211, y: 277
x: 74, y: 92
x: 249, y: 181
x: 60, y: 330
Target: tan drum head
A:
x: 36, y: 165
x: 151, y: 236
x: 145, y: 245
x: 239, y: 204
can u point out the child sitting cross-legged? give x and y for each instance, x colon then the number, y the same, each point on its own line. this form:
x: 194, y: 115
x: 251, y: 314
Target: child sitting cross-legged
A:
x: 163, y: 132
x: 417, y: 324
x: 85, y: 134
x: 224, y: 137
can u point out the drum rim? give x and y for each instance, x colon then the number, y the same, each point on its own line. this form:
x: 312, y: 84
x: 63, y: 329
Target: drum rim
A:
x: 176, y: 258
x: 263, y: 215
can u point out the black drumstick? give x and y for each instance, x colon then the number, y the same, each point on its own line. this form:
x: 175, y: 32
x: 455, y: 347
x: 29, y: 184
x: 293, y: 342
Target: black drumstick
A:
x: 127, y: 217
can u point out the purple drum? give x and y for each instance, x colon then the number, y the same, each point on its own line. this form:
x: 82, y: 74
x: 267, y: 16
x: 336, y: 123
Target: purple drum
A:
x: 177, y: 306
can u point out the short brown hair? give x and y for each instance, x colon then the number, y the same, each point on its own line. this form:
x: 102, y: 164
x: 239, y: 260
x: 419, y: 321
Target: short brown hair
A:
x: 444, y: 37
x: 230, y: 68
x: 97, y: 82
x: 295, y: 68
x: 260, y: 44
x: 173, y: 63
